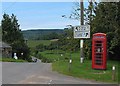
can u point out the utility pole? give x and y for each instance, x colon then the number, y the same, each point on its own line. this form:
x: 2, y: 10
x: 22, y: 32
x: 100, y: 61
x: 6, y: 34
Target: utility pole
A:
x: 82, y: 23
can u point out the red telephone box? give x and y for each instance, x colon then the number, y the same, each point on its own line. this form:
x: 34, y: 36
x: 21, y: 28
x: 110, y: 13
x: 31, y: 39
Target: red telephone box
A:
x: 99, y: 51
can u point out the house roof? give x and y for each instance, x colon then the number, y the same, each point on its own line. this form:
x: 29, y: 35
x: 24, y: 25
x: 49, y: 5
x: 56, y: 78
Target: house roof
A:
x: 4, y: 45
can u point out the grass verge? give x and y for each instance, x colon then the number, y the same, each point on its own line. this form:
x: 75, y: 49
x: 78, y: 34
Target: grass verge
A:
x: 11, y: 60
x: 85, y: 71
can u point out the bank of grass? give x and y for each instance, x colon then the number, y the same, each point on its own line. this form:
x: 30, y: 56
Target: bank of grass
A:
x: 11, y: 60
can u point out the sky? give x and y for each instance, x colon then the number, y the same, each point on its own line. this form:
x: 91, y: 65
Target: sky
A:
x: 41, y: 15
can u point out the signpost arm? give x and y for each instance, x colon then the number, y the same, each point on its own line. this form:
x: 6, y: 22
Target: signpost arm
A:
x: 82, y: 23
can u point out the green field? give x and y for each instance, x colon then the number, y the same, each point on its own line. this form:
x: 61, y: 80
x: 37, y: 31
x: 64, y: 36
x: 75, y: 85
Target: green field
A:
x: 61, y: 65
x: 34, y: 43
x: 54, y: 55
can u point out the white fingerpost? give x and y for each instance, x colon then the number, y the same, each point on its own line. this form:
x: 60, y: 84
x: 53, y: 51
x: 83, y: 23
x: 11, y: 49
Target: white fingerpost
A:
x: 15, y: 56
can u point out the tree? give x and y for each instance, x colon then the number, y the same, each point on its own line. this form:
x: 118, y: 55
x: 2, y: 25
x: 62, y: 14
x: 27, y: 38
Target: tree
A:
x: 12, y: 35
x: 106, y: 21
x: 89, y: 12
x: 10, y: 29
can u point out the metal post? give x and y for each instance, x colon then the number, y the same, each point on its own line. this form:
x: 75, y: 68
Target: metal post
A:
x: 82, y: 23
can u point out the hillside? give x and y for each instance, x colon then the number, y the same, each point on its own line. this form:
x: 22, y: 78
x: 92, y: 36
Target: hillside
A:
x: 40, y: 33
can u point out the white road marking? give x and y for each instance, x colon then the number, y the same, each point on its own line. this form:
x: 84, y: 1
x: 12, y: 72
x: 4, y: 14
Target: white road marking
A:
x: 50, y: 82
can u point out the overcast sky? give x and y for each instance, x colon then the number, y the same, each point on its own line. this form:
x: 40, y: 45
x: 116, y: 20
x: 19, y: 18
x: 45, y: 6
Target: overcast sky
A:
x: 41, y: 15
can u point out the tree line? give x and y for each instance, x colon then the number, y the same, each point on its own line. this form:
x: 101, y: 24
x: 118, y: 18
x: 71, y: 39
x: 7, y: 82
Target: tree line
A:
x: 42, y: 34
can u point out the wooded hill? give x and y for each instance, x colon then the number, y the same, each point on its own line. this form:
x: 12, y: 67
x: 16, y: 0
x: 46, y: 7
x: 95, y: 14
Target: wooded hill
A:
x: 41, y: 34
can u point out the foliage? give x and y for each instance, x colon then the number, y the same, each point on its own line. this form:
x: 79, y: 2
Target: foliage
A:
x: 40, y: 48
x: 66, y: 41
x: 20, y: 48
x: 10, y: 29
x: 89, y: 12
x: 12, y: 35
x: 106, y: 21
x: 50, y: 36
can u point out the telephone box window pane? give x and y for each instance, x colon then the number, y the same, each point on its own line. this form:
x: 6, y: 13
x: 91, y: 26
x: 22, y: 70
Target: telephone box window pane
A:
x: 98, y: 41
x: 99, y: 55
x: 98, y: 59
x: 98, y: 50
x: 98, y: 63
x: 98, y: 45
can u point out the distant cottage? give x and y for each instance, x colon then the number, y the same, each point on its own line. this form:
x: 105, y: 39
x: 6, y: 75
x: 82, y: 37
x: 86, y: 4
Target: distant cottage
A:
x: 5, y: 49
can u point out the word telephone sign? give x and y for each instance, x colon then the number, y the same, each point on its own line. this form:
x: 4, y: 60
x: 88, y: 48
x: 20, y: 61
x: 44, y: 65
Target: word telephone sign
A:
x: 82, y: 31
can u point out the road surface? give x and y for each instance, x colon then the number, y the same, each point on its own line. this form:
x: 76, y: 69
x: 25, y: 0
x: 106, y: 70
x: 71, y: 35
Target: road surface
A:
x: 36, y: 73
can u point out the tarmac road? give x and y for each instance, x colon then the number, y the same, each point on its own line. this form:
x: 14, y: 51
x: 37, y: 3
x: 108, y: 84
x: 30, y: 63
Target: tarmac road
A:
x: 36, y: 73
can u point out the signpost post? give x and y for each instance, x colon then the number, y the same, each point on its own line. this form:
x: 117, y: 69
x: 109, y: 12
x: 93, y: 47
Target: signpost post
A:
x: 82, y: 23
x: 81, y: 32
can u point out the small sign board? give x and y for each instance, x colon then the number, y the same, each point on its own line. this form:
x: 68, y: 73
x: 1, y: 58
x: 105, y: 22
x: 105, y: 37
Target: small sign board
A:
x: 82, y: 31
